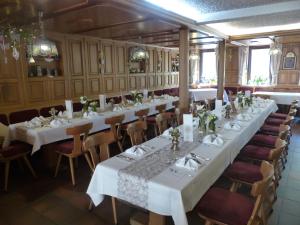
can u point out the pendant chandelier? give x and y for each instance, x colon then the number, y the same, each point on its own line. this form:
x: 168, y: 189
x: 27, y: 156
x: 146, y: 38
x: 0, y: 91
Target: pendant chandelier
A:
x: 138, y: 53
x: 42, y: 47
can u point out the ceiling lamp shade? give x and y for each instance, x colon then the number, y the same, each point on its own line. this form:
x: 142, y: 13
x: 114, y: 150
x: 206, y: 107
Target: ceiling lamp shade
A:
x: 275, y: 48
x: 42, y: 47
x: 138, y: 54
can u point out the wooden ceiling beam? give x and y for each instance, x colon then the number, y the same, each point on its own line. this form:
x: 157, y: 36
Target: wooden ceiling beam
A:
x: 152, y: 34
x: 114, y: 25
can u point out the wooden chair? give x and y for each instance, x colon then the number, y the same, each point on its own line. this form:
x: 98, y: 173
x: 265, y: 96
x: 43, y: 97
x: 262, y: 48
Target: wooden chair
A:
x: 136, y: 132
x: 115, y: 123
x: 179, y: 115
x: 220, y: 206
x: 101, y: 142
x: 15, y: 151
x: 162, y: 122
x: 73, y: 148
x: 210, y: 104
x: 3, y: 119
x: 151, y: 120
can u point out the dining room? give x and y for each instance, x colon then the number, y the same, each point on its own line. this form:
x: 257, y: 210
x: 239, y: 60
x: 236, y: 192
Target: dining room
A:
x: 153, y: 112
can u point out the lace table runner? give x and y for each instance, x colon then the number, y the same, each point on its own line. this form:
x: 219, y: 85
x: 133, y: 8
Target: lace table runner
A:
x: 133, y: 180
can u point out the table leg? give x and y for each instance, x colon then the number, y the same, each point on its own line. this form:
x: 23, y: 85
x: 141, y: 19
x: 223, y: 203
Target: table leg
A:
x: 156, y: 219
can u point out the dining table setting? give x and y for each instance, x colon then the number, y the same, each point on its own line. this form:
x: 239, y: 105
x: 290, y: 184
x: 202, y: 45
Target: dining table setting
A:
x: 170, y: 181
x: 41, y: 130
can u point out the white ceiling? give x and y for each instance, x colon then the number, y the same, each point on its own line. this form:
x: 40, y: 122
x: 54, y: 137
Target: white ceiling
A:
x: 237, y: 17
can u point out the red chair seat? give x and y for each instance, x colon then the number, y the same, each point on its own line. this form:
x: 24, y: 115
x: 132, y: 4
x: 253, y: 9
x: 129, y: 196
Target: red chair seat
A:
x: 225, y: 206
x: 151, y: 120
x: 264, y: 140
x: 256, y: 152
x: 21, y: 116
x: 243, y: 171
x: 14, y: 149
x: 3, y: 119
x: 65, y: 147
x: 274, y: 122
x: 270, y: 129
x: 278, y: 115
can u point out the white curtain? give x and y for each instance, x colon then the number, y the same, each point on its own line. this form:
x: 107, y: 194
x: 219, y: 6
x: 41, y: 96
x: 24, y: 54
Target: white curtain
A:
x: 275, y: 60
x: 243, y: 64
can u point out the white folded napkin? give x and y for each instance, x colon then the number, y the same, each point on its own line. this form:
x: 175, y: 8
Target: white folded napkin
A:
x: 213, y: 139
x: 136, y: 151
x: 188, y: 162
x: 90, y: 115
x: 58, y: 123
x: 117, y: 108
x: 253, y: 110
x: 244, y: 117
x: 35, y: 122
x: 232, y: 126
x: 137, y: 104
x: 62, y: 113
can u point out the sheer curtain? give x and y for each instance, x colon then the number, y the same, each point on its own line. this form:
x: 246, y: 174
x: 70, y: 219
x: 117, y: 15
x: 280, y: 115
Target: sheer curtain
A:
x: 243, y: 64
x: 275, y: 60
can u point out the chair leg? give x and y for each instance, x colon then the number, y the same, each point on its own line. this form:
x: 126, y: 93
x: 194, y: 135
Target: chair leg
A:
x: 29, y: 166
x: 87, y: 158
x: 72, y: 170
x: 114, y: 208
x: 7, y: 165
x: 91, y: 206
x: 120, y: 146
x: 57, y: 165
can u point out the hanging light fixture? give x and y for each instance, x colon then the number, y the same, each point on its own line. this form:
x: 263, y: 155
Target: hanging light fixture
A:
x: 42, y: 47
x: 138, y: 53
x: 275, y: 48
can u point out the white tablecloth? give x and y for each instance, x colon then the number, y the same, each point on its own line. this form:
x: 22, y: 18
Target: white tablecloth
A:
x: 283, y: 98
x: 174, y: 194
x: 46, y: 135
x: 206, y: 93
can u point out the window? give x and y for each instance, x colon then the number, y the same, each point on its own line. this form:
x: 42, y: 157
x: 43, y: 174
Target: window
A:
x: 208, y: 67
x: 260, y: 67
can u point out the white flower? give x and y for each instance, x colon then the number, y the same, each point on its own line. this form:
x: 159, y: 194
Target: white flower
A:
x: 83, y: 100
x: 94, y: 103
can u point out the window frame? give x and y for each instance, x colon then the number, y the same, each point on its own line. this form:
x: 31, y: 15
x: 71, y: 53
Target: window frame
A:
x: 250, y: 61
x: 201, y: 61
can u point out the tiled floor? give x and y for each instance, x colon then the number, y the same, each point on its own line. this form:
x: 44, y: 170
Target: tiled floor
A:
x: 49, y: 201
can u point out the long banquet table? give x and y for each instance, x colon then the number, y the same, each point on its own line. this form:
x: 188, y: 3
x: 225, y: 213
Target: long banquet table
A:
x: 282, y: 98
x: 40, y: 136
x: 154, y: 182
x: 201, y: 94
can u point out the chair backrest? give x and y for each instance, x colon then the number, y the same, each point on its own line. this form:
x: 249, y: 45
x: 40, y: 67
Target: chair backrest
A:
x: 115, y: 123
x: 162, y: 122
x: 292, y: 112
x: 21, y: 116
x: 77, y: 132
x: 179, y: 114
x: 77, y: 106
x: 136, y: 132
x: 161, y: 108
x: 3, y: 119
x: 210, y: 104
x: 99, y: 141
x: 276, y: 152
x: 175, y: 104
x: 288, y: 120
x: 259, y: 189
x: 142, y: 115
x: 45, y: 110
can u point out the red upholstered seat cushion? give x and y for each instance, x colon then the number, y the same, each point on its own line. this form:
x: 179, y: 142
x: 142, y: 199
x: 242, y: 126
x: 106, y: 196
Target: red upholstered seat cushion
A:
x: 270, y: 129
x: 3, y: 119
x: 21, y: 116
x: 77, y: 106
x: 243, y: 171
x: 274, y: 122
x: 151, y: 120
x: 278, y: 115
x: 256, y: 152
x: 264, y: 140
x: 225, y: 206
x: 15, y: 148
x: 45, y: 111
x: 65, y: 147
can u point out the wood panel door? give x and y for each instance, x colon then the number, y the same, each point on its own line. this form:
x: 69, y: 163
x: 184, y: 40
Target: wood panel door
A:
x: 108, y: 57
x: 121, y: 59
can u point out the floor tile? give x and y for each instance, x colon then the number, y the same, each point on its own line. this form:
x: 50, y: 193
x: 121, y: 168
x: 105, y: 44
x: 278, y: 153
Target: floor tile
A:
x: 287, y: 219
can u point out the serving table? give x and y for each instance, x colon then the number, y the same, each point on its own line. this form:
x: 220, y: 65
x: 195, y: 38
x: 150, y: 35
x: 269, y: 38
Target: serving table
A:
x: 40, y: 136
x: 202, y: 94
x: 282, y: 98
x: 153, y: 181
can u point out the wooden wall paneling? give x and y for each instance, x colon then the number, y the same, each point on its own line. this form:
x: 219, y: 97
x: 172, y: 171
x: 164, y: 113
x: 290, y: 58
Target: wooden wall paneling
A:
x: 9, y: 68
x: 108, y: 52
x: 121, y: 59
x: 10, y: 93
x: 133, y: 83
x: 142, y: 82
x: 37, y: 90
x: 231, y: 69
x: 58, y: 91
x: 166, y: 61
x: 77, y: 88
x: 108, y: 84
x: 151, y: 60
x: 151, y: 81
x: 121, y: 84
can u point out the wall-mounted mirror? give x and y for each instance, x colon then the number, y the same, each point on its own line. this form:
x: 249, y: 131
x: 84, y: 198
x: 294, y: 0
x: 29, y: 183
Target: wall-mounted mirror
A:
x: 137, y: 59
x: 289, y: 62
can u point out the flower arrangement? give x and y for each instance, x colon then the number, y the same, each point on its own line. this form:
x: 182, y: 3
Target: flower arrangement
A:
x: 212, y: 118
x: 52, y: 113
x: 240, y: 96
x: 202, y: 115
x: 93, y: 106
x: 175, y: 134
x: 137, y: 97
x: 227, y: 111
x: 85, y: 103
x: 247, y: 101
